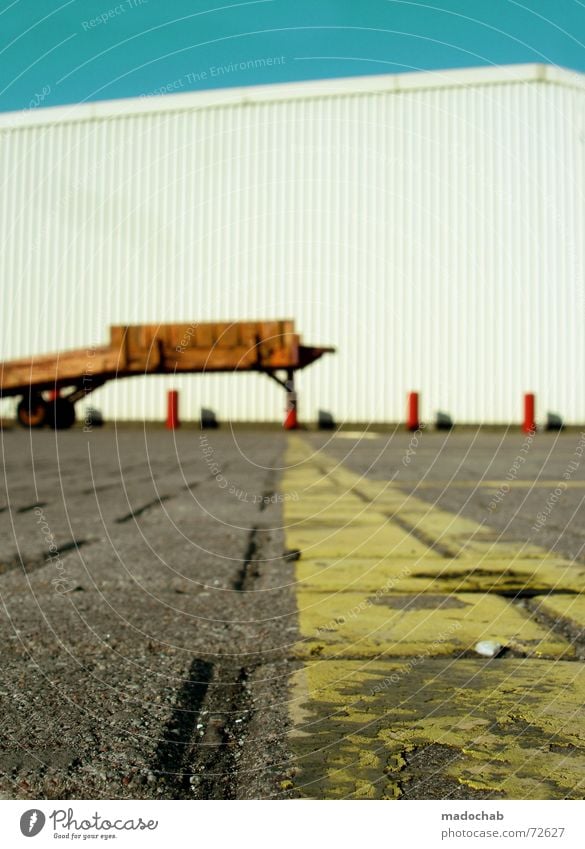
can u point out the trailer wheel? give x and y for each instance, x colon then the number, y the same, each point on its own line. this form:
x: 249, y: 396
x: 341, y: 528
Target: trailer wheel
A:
x: 61, y: 414
x: 31, y: 411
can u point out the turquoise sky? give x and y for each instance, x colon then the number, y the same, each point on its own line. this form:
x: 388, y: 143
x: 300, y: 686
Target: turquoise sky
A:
x: 60, y: 52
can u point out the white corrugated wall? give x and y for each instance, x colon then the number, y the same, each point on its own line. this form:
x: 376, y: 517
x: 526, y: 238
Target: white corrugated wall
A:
x: 435, y: 234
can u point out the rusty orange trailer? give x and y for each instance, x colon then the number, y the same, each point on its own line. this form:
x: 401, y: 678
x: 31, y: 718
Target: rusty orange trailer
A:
x: 268, y: 347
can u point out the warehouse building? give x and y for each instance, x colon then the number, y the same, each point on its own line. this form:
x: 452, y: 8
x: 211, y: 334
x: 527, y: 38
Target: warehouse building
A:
x: 430, y: 225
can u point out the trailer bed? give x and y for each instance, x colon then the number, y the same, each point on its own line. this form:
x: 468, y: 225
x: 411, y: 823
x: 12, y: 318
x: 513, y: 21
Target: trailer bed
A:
x: 263, y: 346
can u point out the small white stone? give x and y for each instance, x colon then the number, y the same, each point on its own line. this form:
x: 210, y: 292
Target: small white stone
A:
x: 488, y: 648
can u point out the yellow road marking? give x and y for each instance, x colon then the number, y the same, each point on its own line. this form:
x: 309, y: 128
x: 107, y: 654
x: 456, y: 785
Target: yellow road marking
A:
x: 496, y: 484
x: 387, y: 625
x: 357, y: 434
x: 512, y: 728
x: 569, y: 608
x: 382, y: 589
x: 379, y: 540
x: 438, y: 575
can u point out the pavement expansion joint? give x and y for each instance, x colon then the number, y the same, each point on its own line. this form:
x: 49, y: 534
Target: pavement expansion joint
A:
x: 249, y: 571
x: 144, y: 508
x: 201, y: 746
x: 426, y: 539
x: 29, y: 507
x: 30, y: 564
x: 178, y: 735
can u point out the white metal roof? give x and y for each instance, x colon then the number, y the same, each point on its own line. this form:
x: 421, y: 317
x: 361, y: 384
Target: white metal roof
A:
x: 459, y: 77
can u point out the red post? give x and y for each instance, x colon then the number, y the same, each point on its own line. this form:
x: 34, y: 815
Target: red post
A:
x: 291, y: 420
x: 412, y: 420
x: 529, y: 425
x: 172, y: 410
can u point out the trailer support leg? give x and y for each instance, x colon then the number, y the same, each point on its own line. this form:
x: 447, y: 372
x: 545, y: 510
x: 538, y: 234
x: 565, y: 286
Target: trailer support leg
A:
x: 291, y: 420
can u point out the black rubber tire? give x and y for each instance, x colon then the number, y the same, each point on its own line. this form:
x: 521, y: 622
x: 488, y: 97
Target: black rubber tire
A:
x: 31, y: 412
x: 61, y: 414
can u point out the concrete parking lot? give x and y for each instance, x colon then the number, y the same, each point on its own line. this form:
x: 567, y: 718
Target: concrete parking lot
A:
x: 250, y: 614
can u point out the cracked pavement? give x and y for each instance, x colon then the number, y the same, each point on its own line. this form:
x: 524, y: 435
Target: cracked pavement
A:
x: 244, y: 613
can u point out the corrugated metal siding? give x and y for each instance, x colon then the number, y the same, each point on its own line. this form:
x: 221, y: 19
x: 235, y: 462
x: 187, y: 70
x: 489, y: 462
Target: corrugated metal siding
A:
x: 435, y: 236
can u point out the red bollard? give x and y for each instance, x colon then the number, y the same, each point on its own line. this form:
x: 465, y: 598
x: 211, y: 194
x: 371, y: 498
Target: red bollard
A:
x: 412, y: 420
x: 529, y: 425
x: 172, y: 410
x: 291, y: 420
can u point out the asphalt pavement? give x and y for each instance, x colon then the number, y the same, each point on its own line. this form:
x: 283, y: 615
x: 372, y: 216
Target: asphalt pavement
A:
x: 252, y: 614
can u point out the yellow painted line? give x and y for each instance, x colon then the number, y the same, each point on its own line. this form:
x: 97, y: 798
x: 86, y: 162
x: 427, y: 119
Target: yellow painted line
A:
x: 436, y: 520
x: 438, y: 575
x: 381, y: 729
x: 357, y: 434
x: 358, y: 625
x: 372, y: 590
x: 380, y: 540
x: 497, y: 484
x: 569, y: 608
